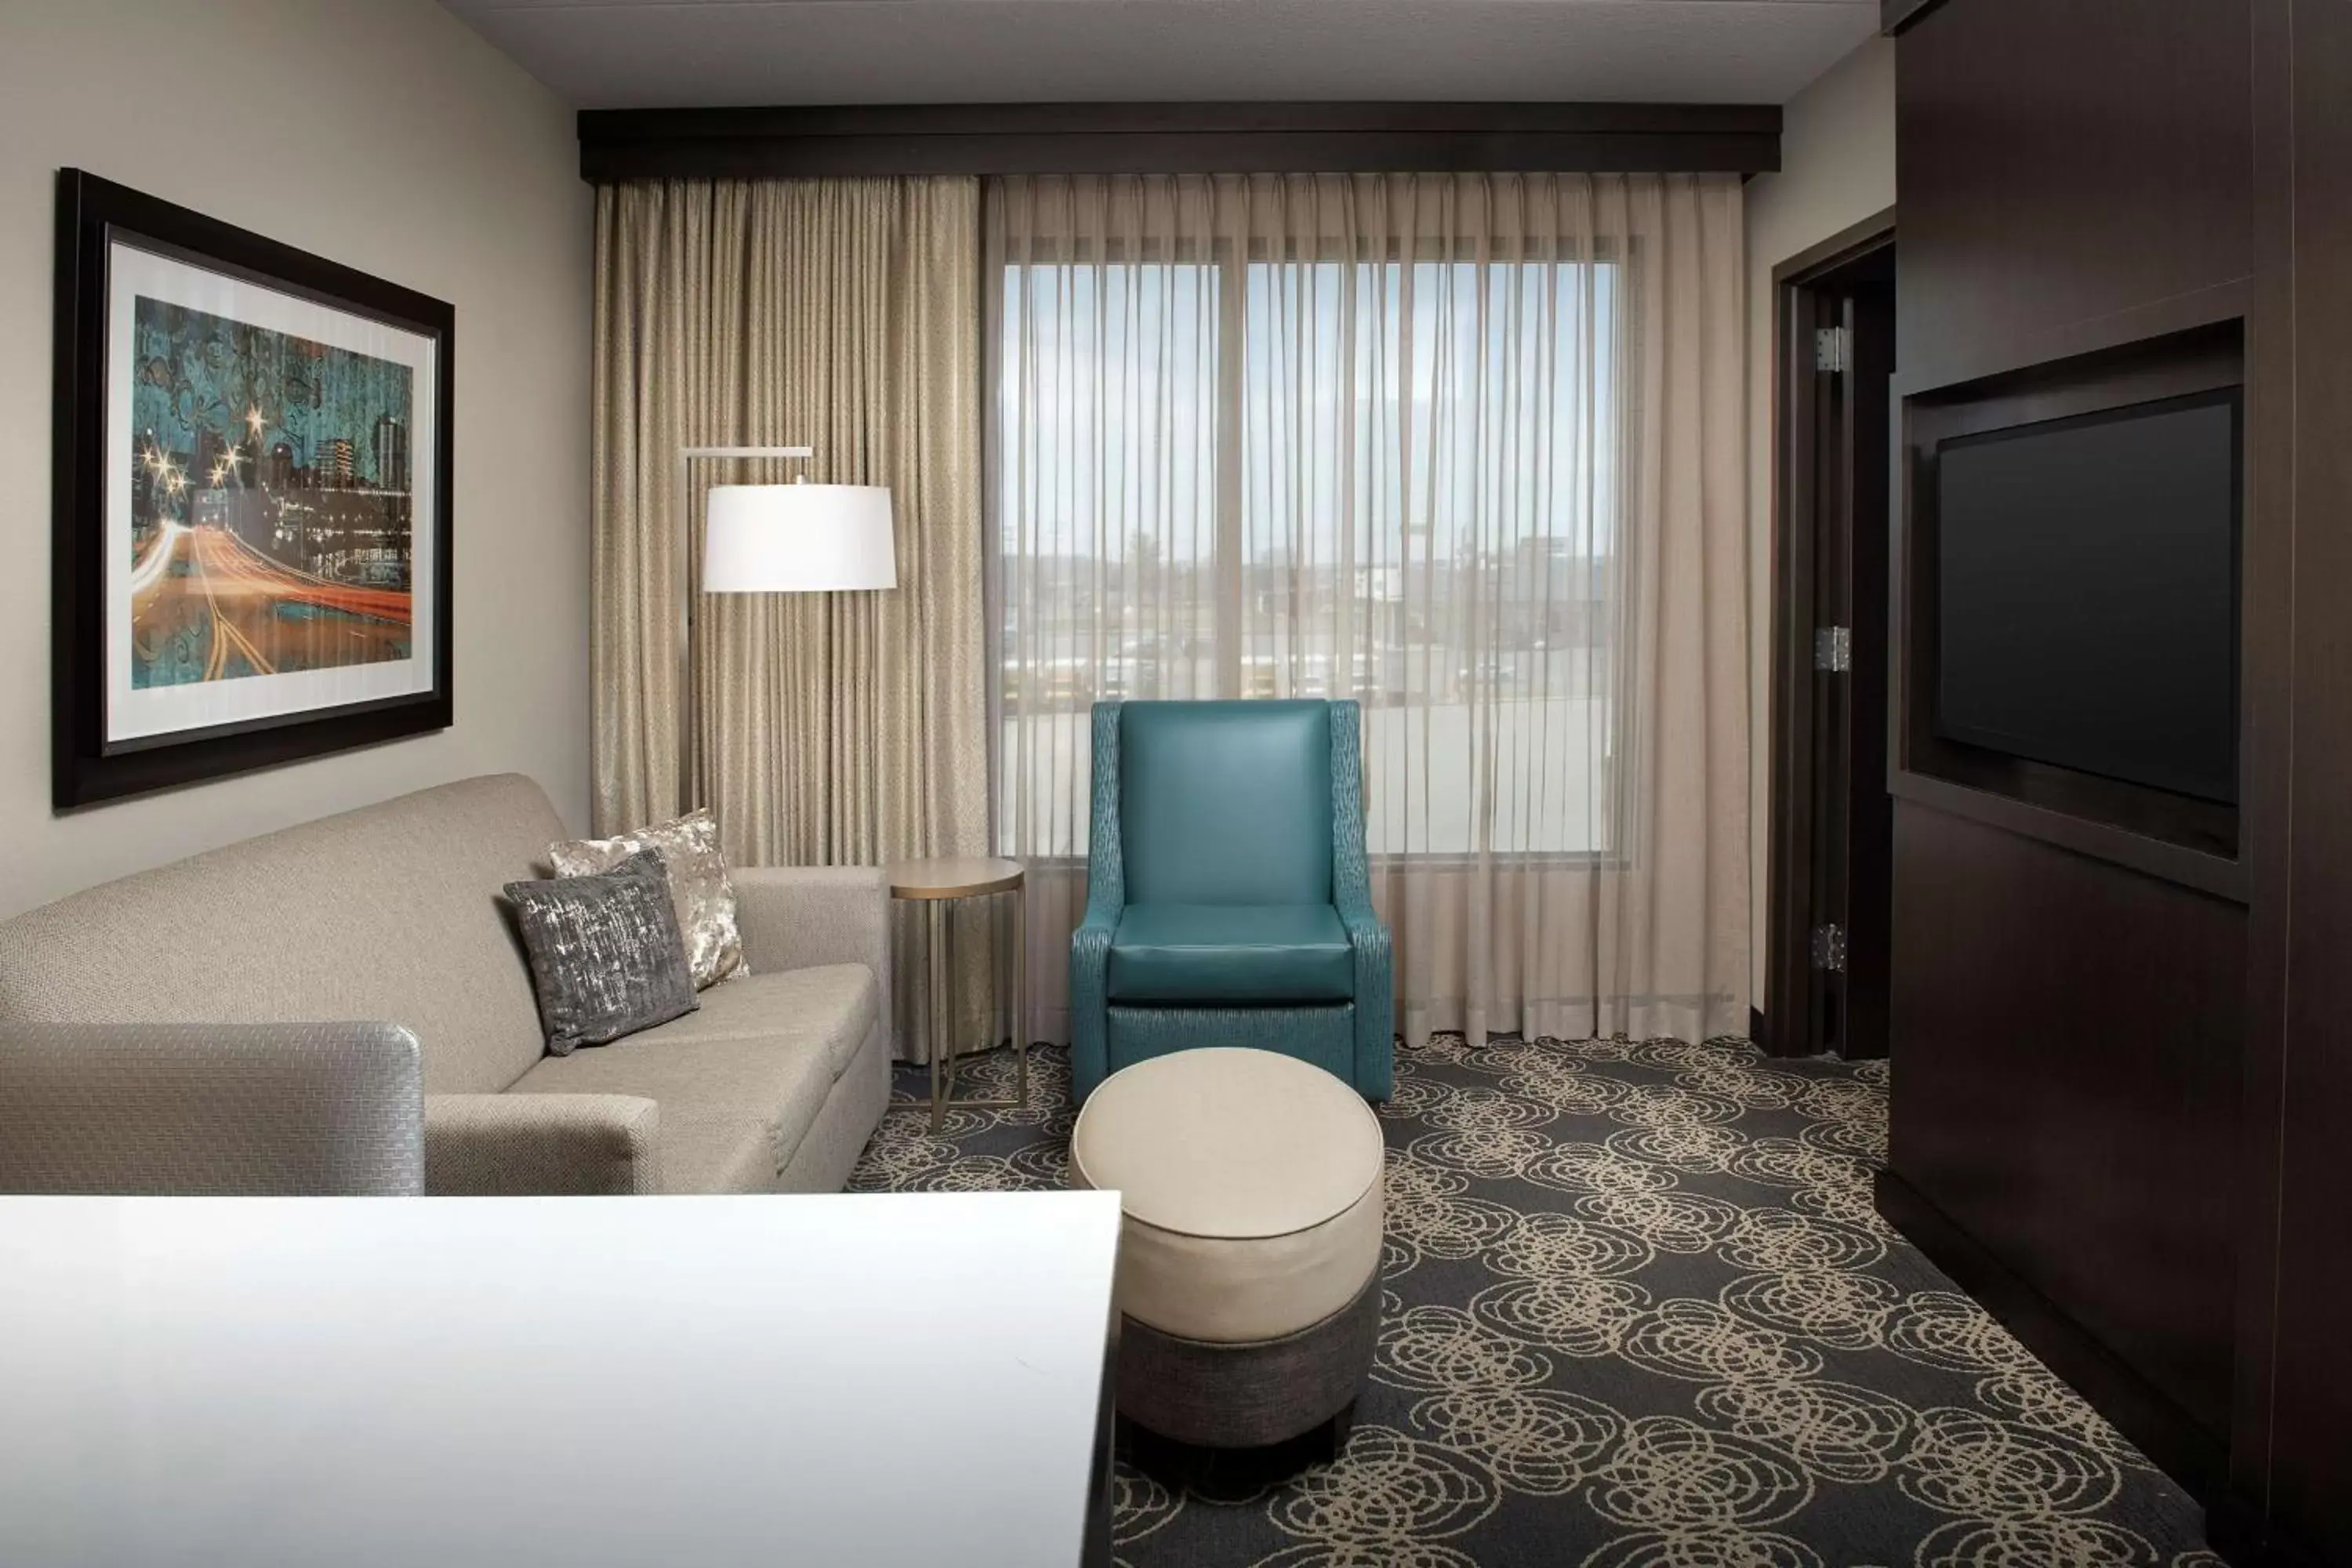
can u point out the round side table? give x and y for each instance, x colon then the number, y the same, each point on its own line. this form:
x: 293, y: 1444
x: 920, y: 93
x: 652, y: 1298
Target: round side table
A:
x: 935, y: 884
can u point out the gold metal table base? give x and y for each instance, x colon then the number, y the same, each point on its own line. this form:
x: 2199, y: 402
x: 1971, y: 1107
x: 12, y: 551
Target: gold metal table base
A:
x: 942, y: 1103
x: 938, y: 884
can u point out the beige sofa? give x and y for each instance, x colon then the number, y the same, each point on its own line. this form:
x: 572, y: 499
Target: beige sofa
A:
x: 391, y: 914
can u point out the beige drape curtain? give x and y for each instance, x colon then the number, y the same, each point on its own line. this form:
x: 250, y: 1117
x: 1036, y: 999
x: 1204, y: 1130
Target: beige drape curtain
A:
x: 839, y: 314
x: 1468, y: 448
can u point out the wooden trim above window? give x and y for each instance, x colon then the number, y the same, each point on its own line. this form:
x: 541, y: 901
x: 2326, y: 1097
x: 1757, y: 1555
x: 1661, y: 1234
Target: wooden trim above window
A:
x: 1178, y: 139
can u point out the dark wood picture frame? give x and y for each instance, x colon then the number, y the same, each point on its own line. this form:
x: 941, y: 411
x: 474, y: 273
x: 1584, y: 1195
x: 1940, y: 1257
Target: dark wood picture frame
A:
x: 92, y: 215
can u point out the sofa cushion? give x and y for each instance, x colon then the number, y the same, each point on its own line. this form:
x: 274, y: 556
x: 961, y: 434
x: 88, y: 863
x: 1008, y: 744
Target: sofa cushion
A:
x: 1226, y: 803
x: 1231, y: 954
x: 834, y: 1004
x: 722, y: 1152
x: 386, y: 914
x: 732, y: 1110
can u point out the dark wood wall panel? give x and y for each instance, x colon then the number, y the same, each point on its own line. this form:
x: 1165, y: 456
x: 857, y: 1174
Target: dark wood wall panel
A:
x: 2115, y: 1085
x: 2061, y: 162
x: 2235, y: 1523
x: 2070, y: 1009
x: 2309, y: 1426
x: 2067, y: 1058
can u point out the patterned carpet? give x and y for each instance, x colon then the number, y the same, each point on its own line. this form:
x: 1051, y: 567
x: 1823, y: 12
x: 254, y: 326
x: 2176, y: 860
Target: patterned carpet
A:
x: 1639, y: 1313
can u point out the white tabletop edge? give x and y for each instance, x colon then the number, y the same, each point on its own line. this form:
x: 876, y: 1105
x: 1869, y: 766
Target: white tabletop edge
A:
x: 706, y: 1380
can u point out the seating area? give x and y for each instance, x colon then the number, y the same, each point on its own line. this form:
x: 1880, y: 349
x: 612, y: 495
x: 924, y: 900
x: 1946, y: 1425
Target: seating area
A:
x: 772, y: 1085
x: 1152, y: 783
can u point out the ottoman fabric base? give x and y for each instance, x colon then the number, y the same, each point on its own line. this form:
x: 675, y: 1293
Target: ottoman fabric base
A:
x: 1249, y: 1394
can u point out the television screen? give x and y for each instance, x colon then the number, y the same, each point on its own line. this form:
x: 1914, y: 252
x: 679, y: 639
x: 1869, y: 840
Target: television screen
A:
x: 2087, y: 604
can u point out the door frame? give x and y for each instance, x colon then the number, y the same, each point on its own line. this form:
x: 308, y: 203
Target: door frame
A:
x: 1785, y: 1019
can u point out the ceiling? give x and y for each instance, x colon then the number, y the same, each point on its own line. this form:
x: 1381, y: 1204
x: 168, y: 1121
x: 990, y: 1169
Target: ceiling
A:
x: 638, y: 54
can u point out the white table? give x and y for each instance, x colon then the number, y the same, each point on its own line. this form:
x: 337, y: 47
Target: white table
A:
x: 422, y: 1383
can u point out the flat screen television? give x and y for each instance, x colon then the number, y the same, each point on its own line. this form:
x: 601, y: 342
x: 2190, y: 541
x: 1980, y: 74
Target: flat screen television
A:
x: 2087, y: 593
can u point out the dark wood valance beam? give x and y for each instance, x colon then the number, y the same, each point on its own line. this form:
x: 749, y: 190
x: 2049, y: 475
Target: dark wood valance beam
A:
x: 1177, y: 138
x: 1894, y: 15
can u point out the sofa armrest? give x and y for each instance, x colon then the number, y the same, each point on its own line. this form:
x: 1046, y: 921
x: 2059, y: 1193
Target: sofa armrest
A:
x: 797, y: 916
x: 484, y: 1145
x: 243, y: 1110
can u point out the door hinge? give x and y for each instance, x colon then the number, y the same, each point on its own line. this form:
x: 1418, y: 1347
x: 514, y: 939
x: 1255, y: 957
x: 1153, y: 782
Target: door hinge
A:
x: 1833, y: 649
x: 1829, y: 948
x: 1829, y: 349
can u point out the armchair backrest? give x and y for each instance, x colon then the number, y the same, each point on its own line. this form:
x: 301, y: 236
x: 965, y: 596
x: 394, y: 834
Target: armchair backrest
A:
x: 1226, y: 803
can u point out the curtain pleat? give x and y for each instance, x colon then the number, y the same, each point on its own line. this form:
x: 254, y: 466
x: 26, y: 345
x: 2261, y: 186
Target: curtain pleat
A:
x: 832, y: 728
x: 1466, y: 448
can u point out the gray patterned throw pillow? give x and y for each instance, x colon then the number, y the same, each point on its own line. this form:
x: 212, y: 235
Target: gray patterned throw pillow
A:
x: 606, y: 953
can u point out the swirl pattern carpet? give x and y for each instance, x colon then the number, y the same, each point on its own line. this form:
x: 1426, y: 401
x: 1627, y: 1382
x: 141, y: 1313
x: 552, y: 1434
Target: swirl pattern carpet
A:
x: 1639, y: 1313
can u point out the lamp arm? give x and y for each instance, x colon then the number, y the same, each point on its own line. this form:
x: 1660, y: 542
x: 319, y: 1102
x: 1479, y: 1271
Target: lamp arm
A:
x: 685, y: 543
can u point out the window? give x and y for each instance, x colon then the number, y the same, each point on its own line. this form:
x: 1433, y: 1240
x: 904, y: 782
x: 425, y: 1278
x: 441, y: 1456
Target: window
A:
x: 1395, y: 480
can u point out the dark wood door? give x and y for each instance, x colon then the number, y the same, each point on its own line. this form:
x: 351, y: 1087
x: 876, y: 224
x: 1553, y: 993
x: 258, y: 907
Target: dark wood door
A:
x: 1833, y: 826
x: 1870, y: 905
x: 1852, y: 824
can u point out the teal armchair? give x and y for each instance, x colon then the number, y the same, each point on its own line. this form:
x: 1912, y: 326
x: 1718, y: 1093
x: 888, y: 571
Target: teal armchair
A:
x: 1227, y: 897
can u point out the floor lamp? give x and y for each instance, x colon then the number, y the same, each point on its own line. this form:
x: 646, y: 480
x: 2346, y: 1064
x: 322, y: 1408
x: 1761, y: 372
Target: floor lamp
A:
x: 798, y: 538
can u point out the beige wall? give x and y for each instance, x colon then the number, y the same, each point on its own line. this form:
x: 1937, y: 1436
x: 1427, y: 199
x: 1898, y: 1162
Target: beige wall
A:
x: 1837, y: 168
x: 388, y: 136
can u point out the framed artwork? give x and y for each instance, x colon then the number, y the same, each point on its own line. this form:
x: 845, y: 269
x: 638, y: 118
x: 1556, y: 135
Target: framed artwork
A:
x: 252, y: 501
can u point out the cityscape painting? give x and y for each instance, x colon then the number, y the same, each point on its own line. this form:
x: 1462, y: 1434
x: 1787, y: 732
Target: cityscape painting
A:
x: 252, y: 539
x: 271, y: 518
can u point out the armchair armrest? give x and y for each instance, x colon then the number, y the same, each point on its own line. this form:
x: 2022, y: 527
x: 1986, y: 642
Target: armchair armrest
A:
x: 797, y: 916
x: 1375, y: 999
x: 1105, y: 901
x: 1090, y: 999
x: 1351, y: 895
x: 527, y: 1145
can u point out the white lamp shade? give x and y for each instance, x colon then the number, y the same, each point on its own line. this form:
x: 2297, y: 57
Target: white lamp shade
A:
x: 798, y: 539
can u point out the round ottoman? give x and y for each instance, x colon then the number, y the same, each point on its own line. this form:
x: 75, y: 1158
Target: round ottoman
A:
x: 1249, y: 1258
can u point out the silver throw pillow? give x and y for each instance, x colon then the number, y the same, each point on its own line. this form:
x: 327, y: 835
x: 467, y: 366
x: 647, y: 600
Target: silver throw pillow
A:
x: 699, y: 886
x: 605, y: 952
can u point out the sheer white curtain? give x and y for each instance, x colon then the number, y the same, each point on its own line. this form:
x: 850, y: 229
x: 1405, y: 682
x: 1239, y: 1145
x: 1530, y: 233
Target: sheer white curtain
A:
x: 1465, y: 448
